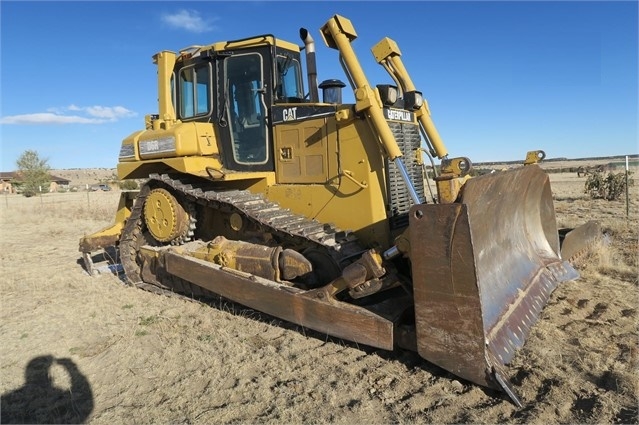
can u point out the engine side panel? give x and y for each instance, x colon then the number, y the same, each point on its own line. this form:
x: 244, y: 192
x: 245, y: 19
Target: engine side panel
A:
x: 332, y: 170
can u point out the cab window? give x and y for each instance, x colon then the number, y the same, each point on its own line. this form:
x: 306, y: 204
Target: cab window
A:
x: 195, y: 91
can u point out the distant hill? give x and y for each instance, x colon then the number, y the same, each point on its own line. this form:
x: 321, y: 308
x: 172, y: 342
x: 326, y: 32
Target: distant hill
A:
x: 79, y: 177
x: 91, y: 176
x: 592, y: 160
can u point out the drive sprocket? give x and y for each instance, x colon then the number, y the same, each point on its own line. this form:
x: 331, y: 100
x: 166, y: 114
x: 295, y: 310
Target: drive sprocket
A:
x: 165, y: 217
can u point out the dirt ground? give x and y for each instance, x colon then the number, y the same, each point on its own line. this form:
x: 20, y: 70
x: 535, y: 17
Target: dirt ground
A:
x: 79, y: 349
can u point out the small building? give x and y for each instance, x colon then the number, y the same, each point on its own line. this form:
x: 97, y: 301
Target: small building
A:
x: 10, y: 182
x: 58, y: 184
x: 6, y: 182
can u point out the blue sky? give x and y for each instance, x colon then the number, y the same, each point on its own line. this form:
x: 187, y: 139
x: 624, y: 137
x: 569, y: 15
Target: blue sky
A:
x: 501, y: 78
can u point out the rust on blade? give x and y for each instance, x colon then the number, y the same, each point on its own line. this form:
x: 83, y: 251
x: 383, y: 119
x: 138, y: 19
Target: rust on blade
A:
x: 483, y: 270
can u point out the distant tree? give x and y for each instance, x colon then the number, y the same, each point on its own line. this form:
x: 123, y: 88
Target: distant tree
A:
x: 34, y: 172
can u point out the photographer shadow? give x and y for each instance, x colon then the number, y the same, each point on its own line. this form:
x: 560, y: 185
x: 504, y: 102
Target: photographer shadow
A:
x: 38, y: 401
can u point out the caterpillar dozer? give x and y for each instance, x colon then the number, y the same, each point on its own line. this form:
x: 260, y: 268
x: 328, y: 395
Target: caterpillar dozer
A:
x: 321, y: 213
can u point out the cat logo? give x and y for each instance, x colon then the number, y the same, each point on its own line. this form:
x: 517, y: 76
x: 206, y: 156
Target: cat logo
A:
x: 289, y: 114
x: 398, y: 115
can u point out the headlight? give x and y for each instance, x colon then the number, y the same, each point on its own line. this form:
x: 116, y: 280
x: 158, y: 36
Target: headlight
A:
x: 162, y: 145
x: 388, y: 94
x: 413, y: 100
x: 127, y: 151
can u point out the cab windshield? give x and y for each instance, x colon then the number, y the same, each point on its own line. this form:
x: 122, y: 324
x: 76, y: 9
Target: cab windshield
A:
x: 289, y: 84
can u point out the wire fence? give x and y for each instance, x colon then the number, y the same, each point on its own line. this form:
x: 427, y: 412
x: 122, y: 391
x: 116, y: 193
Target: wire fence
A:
x: 47, y: 199
x: 71, y: 205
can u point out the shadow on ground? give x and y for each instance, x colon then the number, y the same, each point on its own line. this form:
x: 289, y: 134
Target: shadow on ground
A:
x: 38, y: 401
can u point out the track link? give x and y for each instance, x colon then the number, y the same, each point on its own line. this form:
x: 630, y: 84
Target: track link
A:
x: 284, y: 226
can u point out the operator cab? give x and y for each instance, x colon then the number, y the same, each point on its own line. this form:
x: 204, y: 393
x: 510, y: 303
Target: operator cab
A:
x: 234, y: 86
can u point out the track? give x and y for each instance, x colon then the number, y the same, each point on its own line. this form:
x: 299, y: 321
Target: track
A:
x: 287, y: 228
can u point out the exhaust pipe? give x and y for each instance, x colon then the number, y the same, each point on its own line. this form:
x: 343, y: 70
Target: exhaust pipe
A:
x: 311, y: 66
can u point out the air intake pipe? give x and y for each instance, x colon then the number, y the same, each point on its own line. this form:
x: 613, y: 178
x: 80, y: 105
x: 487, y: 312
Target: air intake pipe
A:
x: 311, y: 66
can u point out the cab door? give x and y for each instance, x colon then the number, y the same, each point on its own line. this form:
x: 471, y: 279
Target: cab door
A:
x: 247, y: 97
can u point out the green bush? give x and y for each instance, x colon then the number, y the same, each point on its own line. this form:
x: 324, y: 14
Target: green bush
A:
x: 128, y: 185
x: 610, y: 187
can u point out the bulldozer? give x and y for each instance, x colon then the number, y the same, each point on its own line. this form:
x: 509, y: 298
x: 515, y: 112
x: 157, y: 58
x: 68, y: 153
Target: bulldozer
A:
x: 320, y: 212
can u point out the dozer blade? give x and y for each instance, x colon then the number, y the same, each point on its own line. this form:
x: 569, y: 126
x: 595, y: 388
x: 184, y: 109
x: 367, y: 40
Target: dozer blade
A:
x: 575, y: 243
x: 483, y: 270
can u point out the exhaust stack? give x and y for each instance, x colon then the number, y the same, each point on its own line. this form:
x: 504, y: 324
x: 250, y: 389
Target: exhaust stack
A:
x: 311, y: 66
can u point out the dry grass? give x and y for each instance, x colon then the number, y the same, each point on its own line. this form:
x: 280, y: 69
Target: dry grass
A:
x: 149, y: 358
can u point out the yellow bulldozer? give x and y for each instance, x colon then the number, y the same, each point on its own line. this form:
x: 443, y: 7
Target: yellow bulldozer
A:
x: 318, y: 212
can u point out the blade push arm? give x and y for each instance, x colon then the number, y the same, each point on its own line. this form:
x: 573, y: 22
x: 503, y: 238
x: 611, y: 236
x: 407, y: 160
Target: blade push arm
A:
x: 387, y: 54
x: 338, y: 33
x: 454, y: 171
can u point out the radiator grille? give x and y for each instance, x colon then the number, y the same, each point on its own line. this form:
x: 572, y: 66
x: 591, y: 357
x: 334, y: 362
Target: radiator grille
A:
x: 408, y: 140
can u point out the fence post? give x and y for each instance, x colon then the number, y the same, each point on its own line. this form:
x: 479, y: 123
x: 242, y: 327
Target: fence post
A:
x: 627, y: 193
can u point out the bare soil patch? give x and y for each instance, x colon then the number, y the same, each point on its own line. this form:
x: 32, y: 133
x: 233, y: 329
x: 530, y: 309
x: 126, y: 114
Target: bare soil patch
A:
x: 80, y: 349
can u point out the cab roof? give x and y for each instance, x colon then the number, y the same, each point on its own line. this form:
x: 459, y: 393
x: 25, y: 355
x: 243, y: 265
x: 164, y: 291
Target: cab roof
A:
x: 260, y: 40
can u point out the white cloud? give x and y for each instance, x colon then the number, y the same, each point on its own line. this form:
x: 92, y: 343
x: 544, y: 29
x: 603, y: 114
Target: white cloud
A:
x: 108, y: 112
x: 48, y: 118
x: 189, y: 20
x: 81, y: 115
